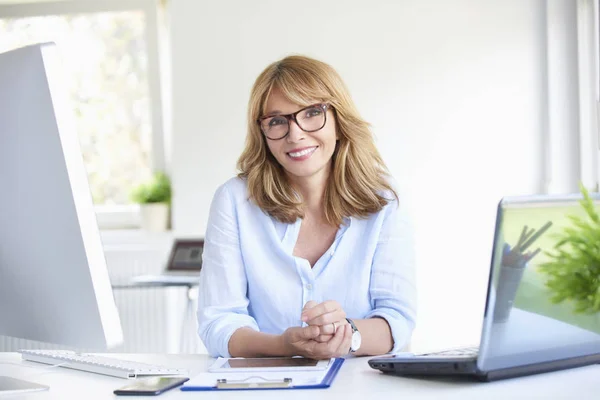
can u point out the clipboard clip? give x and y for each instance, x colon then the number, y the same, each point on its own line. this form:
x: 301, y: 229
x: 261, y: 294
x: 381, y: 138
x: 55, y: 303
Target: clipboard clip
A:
x: 244, y: 384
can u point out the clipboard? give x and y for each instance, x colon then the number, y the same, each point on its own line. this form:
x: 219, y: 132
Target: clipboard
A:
x: 258, y: 382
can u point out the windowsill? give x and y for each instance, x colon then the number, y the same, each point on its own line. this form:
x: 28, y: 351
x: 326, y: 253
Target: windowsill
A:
x: 118, y: 217
x: 134, y: 238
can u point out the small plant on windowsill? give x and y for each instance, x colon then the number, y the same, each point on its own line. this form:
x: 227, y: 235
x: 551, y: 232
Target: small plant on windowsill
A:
x: 573, y: 269
x: 154, y: 198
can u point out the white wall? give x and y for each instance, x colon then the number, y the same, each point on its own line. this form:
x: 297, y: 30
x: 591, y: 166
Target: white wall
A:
x: 455, y: 91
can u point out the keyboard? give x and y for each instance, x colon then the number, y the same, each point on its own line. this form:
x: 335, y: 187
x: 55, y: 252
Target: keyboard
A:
x: 98, y: 364
x: 466, y: 352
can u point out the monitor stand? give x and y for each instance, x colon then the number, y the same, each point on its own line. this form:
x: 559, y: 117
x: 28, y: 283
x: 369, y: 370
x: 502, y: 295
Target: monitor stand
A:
x: 10, y: 385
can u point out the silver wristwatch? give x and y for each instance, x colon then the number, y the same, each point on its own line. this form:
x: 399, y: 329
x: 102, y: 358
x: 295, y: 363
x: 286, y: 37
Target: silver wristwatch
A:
x: 356, y: 338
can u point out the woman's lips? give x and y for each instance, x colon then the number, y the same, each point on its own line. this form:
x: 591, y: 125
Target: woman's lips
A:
x: 302, y: 154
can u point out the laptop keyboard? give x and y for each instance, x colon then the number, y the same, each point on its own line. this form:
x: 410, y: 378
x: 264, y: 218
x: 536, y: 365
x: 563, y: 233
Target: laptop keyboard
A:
x: 460, y: 352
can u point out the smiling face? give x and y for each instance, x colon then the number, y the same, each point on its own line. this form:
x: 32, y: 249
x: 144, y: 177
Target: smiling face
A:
x: 303, y: 155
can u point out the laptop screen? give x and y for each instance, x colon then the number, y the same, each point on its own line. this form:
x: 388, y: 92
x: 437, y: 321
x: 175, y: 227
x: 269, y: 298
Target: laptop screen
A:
x: 186, y: 255
x: 544, y: 296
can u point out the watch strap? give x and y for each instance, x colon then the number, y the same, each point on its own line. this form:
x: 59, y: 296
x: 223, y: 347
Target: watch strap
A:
x: 354, y: 328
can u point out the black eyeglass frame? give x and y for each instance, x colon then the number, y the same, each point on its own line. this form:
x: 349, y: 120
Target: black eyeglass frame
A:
x: 292, y: 117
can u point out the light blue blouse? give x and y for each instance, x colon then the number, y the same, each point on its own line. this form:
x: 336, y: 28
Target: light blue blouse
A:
x: 250, y: 278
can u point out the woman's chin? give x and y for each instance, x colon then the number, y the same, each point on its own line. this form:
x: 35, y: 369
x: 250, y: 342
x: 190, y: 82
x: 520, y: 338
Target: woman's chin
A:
x: 304, y: 173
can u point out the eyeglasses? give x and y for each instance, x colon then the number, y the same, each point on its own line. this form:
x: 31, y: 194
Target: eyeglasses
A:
x: 309, y: 119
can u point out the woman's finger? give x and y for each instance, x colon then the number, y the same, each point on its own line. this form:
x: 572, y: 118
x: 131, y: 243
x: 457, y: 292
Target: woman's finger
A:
x: 346, y: 343
x: 303, y: 334
x: 331, y: 329
x: 323, y: 338
x: 328, y: 330
x: 328, y: 349
x: 309, y: 304
x: 328, y: 319
x: 325, y: 307
x: 336, y: 341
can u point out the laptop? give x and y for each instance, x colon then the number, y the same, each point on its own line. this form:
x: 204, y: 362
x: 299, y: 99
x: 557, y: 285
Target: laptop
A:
x: 183, y: 265
x: 524, y: 331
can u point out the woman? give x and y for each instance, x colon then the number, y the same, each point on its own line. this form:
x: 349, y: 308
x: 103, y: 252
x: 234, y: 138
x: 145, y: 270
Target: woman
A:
x: 308, y: 251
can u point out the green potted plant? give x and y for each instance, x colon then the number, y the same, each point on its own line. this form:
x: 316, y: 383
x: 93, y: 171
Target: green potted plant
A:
x: 154, y: 198
x: 573, y: 269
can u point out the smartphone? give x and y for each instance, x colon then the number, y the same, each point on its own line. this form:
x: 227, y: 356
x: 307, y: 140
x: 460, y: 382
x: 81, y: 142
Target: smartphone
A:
x: 276, y: 364
x: 151, y: 386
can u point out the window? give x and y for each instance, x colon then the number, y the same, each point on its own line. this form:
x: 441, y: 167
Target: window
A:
x: 110, y: 53
x: 588, y: 31
x: 596, y: 77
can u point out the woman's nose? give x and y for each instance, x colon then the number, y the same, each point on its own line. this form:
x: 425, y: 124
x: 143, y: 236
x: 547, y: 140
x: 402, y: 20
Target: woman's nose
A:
x: 295, y: 133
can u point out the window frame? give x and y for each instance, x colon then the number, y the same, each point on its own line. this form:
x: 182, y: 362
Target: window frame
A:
x: 121, y: 216
x: 588, y: 52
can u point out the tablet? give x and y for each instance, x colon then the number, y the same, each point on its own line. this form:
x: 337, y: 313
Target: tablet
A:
x: 272, y: 364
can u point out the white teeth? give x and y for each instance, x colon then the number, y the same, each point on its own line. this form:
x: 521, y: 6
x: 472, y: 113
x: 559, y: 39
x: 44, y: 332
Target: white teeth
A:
x: 302, y: 153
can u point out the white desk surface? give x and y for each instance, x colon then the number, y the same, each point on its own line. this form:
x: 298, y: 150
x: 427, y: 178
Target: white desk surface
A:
x: 356, y: 380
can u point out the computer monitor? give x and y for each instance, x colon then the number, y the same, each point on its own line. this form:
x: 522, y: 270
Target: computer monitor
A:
x: 54, y: 283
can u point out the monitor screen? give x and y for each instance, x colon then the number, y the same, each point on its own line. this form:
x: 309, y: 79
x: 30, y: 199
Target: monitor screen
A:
x: 54, y: 284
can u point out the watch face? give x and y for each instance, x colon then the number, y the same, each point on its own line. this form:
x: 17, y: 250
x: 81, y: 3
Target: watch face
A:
x: 356, y: 340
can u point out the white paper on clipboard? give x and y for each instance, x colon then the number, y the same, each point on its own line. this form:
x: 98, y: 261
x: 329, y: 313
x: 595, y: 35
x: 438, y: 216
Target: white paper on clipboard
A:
x: 268, y: 364
x: 299, y: 378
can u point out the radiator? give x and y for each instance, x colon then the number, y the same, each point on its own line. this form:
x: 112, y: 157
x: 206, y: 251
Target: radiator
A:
x: 152, y: 318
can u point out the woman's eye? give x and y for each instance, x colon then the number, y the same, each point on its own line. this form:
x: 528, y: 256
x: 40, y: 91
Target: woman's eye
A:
x: 277, y: 121
x: 313, y: 112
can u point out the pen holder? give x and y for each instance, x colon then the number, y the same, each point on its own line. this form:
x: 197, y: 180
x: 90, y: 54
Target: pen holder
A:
x: 509, y: 279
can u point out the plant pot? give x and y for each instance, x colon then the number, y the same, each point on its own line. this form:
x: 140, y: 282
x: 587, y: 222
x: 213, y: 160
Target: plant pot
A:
x: 154, y: 217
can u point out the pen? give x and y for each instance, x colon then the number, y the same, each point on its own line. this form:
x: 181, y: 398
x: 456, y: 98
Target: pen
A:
x: 522, y: 237
x: 530, y: 256
x: 533, y: 238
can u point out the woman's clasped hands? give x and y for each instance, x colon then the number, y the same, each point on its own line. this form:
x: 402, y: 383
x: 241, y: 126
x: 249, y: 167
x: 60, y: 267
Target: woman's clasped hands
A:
x: 327, y: 334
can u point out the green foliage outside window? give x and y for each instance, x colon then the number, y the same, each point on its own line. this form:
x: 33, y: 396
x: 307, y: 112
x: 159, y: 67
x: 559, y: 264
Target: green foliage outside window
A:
x: 157, y: 190
x: 573, y: 269
x: 105, y: 64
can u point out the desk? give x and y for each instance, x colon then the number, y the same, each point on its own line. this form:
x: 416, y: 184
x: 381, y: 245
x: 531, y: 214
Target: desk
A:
x: 356, y: 380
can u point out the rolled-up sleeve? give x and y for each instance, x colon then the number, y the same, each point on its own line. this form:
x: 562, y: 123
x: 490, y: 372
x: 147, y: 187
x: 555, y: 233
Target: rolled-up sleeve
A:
x: 393, y: 288
x: 222, y: 293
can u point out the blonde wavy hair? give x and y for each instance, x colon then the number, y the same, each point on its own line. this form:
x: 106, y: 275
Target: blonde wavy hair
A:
x: 358, y: 180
